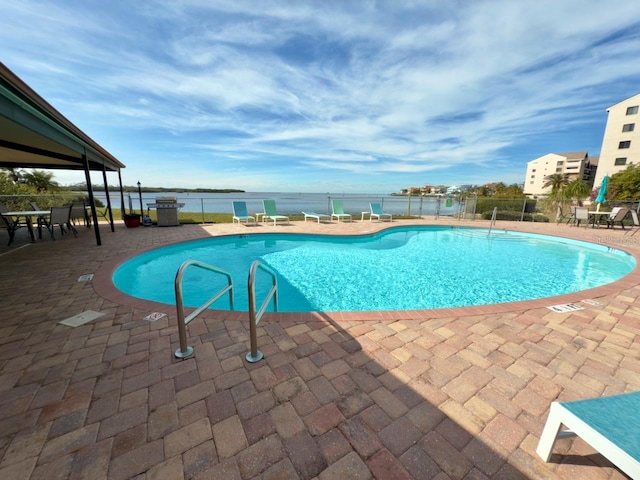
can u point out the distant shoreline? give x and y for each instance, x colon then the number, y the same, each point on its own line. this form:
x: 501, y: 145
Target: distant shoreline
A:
x: 128, y: 188
x: 182, y: 190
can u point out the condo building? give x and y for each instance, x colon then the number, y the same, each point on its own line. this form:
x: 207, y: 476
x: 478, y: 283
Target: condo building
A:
x: 621, y: 142
x: 576, y: 165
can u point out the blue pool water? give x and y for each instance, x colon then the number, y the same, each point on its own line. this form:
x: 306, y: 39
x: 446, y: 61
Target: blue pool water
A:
x: 397, y: 269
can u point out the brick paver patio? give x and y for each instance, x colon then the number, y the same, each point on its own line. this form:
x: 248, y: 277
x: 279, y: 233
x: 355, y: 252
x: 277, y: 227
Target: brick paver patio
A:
x: 442, y: 394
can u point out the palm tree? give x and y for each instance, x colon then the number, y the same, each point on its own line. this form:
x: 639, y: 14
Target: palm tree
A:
x: 42, y: 181
x: 577, y: 189
x: 557, y: 182
x: 15, y: 174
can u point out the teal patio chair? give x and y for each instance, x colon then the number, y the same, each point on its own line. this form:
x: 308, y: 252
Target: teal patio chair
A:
x: 608, y: 424
x: 337, y: 210
x: 376, y: 211
x: 240, y: 213
x: 270, y: 212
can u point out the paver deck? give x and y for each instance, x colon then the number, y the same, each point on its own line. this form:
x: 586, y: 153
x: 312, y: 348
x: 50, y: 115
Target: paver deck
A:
x: 434, y: 394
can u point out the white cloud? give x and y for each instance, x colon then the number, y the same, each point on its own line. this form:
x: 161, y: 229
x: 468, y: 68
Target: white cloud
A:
x: 445, y: 89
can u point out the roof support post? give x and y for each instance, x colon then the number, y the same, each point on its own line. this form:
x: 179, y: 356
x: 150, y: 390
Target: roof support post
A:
x: 106, y: 191
x: 121, y: 194
x: 92, y: 200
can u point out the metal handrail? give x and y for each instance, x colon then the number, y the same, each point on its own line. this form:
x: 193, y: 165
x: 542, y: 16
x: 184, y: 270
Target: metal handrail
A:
x: 256, y: 355
x: 184, y: 350
x: 493, y: 219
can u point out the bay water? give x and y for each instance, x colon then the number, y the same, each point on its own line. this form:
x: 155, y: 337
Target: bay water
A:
x: 288, y: 203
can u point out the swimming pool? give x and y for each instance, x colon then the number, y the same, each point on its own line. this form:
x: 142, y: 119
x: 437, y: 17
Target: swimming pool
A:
x: 401, y: 268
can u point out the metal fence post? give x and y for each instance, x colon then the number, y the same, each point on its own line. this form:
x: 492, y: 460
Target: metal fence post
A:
x: 475, y: 206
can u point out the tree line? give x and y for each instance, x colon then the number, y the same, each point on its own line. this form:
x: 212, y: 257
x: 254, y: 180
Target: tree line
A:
x: 624, y: 185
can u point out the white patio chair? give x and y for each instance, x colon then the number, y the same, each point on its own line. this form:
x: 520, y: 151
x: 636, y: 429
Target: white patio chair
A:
x: 61, y: 216
x: 635, y: 223
x: 582, y: 213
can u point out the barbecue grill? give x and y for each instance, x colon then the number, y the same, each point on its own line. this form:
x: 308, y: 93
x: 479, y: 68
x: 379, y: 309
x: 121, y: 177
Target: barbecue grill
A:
x: 167, y: 210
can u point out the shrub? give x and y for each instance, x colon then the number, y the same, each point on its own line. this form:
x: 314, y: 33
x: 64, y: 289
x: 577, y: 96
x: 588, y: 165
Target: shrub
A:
x: 486, y: 204
x: 516, y: 216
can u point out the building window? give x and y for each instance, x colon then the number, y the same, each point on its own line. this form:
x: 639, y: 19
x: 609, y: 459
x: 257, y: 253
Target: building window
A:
x: 628, y: 127
x: 530, y: 183
x: 533, y: 170
x: 632, y: 110
x: 625, y: 144
x: 559, y: 162
x: 558, y: 170
x: 533, y: 176
x: 620, y: 161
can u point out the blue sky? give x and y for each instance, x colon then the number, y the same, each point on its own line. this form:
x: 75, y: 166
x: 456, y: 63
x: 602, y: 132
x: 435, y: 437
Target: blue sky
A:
x: 327, y: 96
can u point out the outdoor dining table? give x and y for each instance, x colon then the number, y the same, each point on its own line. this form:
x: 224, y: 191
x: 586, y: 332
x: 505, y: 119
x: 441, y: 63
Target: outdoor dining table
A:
x: 27, y: 214
x: 596, y: 215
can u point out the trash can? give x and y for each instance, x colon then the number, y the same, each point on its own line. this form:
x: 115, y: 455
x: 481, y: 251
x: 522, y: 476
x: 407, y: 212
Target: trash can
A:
x: 167, y: 210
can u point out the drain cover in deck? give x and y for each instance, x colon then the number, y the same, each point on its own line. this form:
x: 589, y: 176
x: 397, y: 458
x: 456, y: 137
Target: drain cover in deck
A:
x: 81, y: 318
x: 155, y: 316
x: 565, y: 308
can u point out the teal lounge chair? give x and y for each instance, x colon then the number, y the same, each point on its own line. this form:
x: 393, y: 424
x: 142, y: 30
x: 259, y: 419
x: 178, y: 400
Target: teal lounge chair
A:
x: 317, y: 216
x: 608, y: 424
x: 338, y: 211
x: 376, y: 211
x: 240, y: 213
x: 270, y: 212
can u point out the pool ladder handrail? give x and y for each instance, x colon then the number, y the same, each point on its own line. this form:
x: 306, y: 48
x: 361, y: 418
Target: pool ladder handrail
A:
x: 185, y: 351
x: 256, y: 355
x: 493, y: 219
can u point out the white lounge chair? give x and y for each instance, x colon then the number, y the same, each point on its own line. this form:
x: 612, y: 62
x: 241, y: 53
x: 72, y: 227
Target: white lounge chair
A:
x: 608, y: 424
x: 337, y: 210
x: 240, y: 213
x: 618, y: 214
x: 317, y: 216
x: 376, y: 211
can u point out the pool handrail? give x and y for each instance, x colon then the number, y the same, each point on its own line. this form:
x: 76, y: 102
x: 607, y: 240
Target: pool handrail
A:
x: 493, y: 219
x: 185, y: 351
x: 256, y: 355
